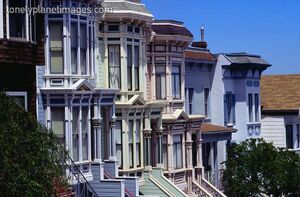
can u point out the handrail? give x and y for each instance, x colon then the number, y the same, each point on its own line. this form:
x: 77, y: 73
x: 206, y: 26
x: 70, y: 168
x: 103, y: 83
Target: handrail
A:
x: 208, y: 184
x: 65, y: 157
x: 202, y: 189
x: 126, y: 190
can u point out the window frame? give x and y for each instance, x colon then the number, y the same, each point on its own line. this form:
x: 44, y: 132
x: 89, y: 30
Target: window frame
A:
x: 26, y: 24
x: 60, y: 49
x: 229, y: 108
x: 19, y: 94
x: 114, y: 66
x: 206, y: 95
x: 256, y: 107
x: 289, y: 133
x: 250, y: 108
x: 160, y: 76
x: 176, y: 85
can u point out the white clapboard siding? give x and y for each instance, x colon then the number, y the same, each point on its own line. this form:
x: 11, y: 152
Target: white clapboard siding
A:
x: 273, y: 130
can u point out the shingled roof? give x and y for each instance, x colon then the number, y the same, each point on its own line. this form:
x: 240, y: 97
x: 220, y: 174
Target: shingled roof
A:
x: 211, y: 128
x: 170, y: 27
x: 280, y: 93
x: 199, y: 55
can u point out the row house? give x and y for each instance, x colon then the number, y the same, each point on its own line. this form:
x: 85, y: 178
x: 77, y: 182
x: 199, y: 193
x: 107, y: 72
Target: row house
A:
x: 21, y: 49
x: 280, y: 110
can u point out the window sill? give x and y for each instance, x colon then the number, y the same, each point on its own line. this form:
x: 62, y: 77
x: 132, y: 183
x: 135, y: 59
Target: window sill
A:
x: 21, y: 40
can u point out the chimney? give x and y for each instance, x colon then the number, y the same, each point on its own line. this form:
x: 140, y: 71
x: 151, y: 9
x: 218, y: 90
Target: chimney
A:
x: 202, y: 43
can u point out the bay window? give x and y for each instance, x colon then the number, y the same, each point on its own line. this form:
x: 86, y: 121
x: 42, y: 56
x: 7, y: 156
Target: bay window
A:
x: 129, y: 67
x: 160, y: 79
x: 118, y: 131
x: 57, y: 123
x: 229, y: 109
x: 177, y: 151
x: 257, y: 118
x: 130, y: 143
x: 83, y: 49
x: 74, y: 47
x: 56, y: 48
x: 138, y: 143
x: 176, y: 87
x: 136, y: 67
x: 17, y: 21
x: 114, y: 66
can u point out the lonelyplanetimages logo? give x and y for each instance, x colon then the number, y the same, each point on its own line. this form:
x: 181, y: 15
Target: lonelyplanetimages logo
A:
x: 58, y: 10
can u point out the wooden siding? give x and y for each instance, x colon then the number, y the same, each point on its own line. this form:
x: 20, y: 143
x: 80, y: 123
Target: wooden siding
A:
x: 273, y: 130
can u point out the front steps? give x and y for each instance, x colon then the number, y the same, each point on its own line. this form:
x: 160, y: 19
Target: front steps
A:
x: 157, y: 185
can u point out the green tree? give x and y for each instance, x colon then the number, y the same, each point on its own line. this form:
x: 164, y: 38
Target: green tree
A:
x: 29, y: 163
x: 255, y: 167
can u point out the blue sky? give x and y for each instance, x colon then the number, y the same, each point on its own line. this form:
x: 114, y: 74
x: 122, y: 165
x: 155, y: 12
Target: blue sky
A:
x: 270, y: 28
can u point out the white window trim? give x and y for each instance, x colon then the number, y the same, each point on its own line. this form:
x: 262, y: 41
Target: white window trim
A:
x: 1, y: 19
x: 26, y: 23
x: 24, y: 94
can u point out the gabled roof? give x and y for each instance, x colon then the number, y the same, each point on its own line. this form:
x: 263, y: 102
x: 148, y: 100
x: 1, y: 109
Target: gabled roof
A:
x: 179, y: 114
x: 82, y: 85
x: 211, y: 128
x: 137, y: 100
x: 280, y: 93
x: 170, y: 27
x: 244, y: 59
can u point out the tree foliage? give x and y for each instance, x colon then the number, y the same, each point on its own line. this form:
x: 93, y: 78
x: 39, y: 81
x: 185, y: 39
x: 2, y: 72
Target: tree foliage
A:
x: 29, y: 165
x: 255, y: 167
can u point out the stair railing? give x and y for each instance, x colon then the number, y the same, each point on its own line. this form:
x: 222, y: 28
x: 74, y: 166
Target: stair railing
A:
x: 82, y: 188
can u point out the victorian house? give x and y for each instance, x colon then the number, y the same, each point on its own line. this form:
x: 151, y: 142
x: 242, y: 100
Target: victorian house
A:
x: 21, y: 49
x: 281, y: 110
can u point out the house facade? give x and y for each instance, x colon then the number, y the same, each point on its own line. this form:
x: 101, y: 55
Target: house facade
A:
x: 236, y: 94
x: 199, y: 66
x: 280, y: 110
x: 21, y: 49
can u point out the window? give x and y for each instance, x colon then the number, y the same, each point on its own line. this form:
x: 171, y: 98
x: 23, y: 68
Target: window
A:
x: 129, y: 67
x: 56, y: 48
x: 250, y: 107
x: 83, y: 49
x: 190, y: 99
x: 137, y: 30
x: 114, y: 66
x: 17, y: 21
x: 113, y: 28
x: 138, y: 144
x: 118, y: 131
x: 84, y: 131
x: 136, y: 67
x: 57, y: 123
x: 176, y: 84
x: 75, y: 134
x: 129, y: 28
x: 177, y: 151
x: 19, y: 97
x: 74, y: 47
x: 289, y: 136
x: 298, y: 135
x: 160, y: 79
x: 257, y: 118
x: 130, y: 143
x: 206, y: 101
x: 229, y: 109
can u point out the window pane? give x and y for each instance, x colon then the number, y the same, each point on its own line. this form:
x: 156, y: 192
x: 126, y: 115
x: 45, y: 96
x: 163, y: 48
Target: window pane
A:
x: 129, y: 66
x: 83, y: 49
x: 56, y: 48
x: 75, y: 135
x: 250, y: 107
x: 206, y: 100
x: 289, y: 136
x: 74, y: 46
x: 57, y: 123
x: 118, y: 131
x: 17, y: 25
x: 136, y: 67
x: 176, y: 82
x: 114, y: 66
x: 257, y: 108
x: 85, y: 127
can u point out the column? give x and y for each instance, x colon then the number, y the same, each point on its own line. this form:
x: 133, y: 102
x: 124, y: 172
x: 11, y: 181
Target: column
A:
x: 211, y: 158
x: 199, y: 167
x: 189, y: 156
x: 97, y: 130
x: 160, y: 146
x: 170, y: 152
x: 147, y: 136
x: 112, y: 126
